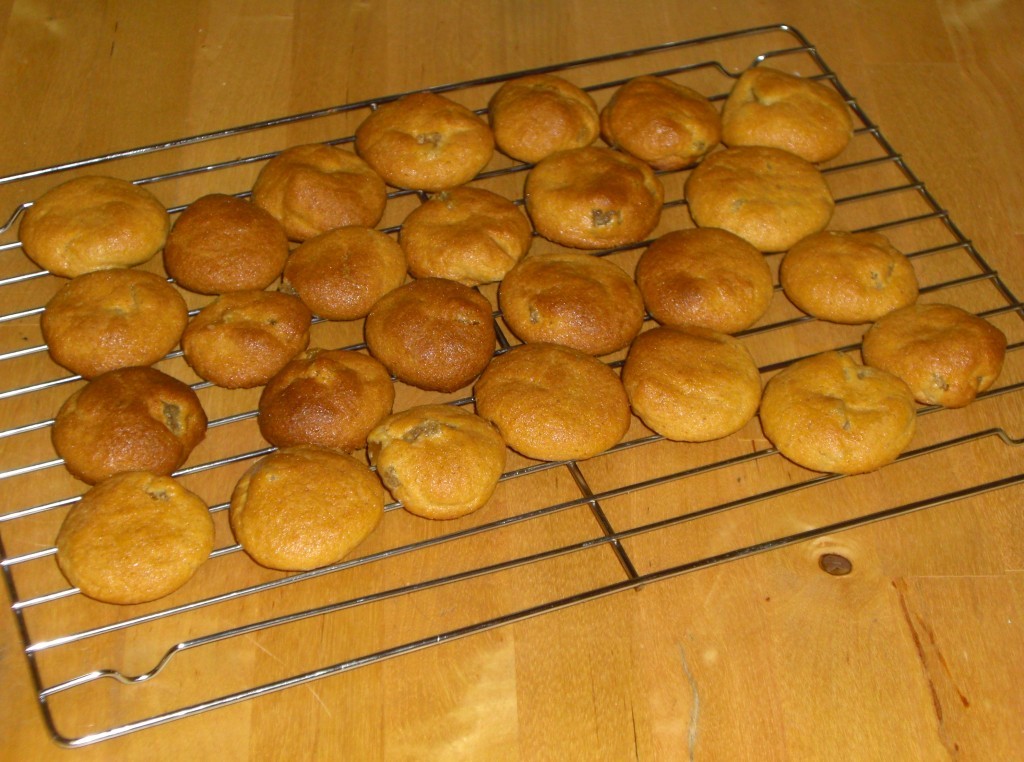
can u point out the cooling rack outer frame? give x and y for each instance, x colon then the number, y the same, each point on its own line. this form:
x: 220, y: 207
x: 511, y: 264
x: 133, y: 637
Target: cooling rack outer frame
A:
x: 610, y: 538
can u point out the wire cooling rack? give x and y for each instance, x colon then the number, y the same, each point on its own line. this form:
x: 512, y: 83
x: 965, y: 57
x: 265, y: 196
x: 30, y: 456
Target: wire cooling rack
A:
x: 616, y: 522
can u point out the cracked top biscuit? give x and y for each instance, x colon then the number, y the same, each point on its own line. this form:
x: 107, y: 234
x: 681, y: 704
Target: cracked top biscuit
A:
x: 831, y: 414
x: 593, y: 198
x: 425, y: 141
x: 768, y: 107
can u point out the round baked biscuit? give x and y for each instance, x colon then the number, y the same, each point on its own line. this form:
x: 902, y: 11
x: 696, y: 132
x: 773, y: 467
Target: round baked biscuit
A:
x: 93, y: 223
x: 342, y: 273
x: 827, y: 413
x: 553, y: 403
x: 574, y: 299
x: 536, y: 115
x: 705, y: 277
x: 593, y: 198
x: 111, y: 319
x: 691, y: 384
x: 668, y: 125
x: 425, y: 141
x: 326, y: 397
x: 313, y: 188
x: 134, y: 538
x: 130, y: 419
x: 440, y: 461
x: 767, y: 196
x: 243, y: 338
x: 945, y: 354
x: 304, y: 507
x: 434, y: 334
x: 847, y: 278
x: 768, y: 107
x: 221, y: 243
x: 469, y: 235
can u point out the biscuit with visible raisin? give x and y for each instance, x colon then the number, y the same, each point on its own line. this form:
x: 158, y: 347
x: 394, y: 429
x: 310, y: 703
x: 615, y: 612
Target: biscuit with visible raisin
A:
x: 944, y: 353
x: 134, y: 538
x: 593, y: 198
x: 440, y: 461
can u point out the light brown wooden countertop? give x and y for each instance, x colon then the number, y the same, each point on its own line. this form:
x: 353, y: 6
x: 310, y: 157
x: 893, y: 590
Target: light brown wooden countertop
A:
x: 916, y: 654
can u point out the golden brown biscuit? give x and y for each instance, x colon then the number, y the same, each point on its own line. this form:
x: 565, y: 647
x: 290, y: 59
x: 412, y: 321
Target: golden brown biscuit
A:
x: 691, y: 384
x: 768, y: 107
x: 593, y: 198
x: 661, y: 122
x: 326, y: 397
x: 134, y: 538
x: 574, y: 299
x: 311, y: 189
x: 304, y: 507
x: 469, y: 235
x: 827, y: 413
x: 93, y: 223
x: 221, y: 243
x: 113, y: 319
x: 440, y: 461
x: 706, y: 277
x: 536, y: 115
x: 342, y: 273
x: 434, y: 334
x: 243, y: 338
x: 847, y: 277
x: 130, y: 419
x: 553, y: 403
x: 768, y: 197
x: 945, y: 354
x: 425, y: 141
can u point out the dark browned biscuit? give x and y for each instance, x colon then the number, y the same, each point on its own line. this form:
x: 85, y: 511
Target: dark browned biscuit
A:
x: 304, y: 507
x: 93, y: 223
x: 847, y: 277
x: 342, y: 273
x: 827, y: 413
x: 469, y: 235
x: 706, y: 277
x: 134, y: 538
x: 691, y: 384
x: 946, y: 355
x: 574, y: 299
x: 113, y: 319
x: 243, y: 338
x: 221, y: 243
x: 434, y: 334
x: 768, y: 107
x: 536, y: 115
x: 593, y: 198
x: 425, y: 141
x: 769, y: 197
x: 131, y: 419
x: 440, y: 461
x: 667, y: 125
x: 326, y: 397
x: 311, y: 189
x: 553, y: 403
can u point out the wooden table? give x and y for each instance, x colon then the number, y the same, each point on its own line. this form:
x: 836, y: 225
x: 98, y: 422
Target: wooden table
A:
x: 917, y: 653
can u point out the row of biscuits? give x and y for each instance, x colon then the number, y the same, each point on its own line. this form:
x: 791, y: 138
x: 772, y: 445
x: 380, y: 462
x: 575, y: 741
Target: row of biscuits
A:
x: 548, y: 399
x: 427, y: 142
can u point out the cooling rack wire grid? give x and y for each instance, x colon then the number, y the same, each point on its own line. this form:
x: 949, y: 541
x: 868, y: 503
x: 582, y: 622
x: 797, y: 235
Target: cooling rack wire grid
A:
x: 619, y: 521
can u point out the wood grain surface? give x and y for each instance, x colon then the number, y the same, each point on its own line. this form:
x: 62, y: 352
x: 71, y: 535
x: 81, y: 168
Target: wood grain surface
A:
x: 916, y: 654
